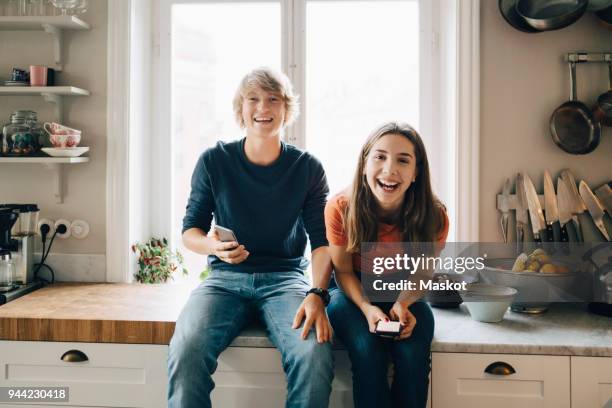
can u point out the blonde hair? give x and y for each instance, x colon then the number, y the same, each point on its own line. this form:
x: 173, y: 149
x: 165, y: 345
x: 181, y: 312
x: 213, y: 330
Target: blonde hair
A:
x: 270, y: 81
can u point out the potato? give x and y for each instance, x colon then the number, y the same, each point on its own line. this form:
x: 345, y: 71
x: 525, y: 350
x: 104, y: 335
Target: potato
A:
x: 519, y: 264
x: 533, y: 266
x: 562, y: 269
x: 538, y: 251
x: 543, y: 258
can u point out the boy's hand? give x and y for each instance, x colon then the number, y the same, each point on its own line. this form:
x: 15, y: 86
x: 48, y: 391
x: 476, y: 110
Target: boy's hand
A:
x: 312, y: 312
x: 229, y: 252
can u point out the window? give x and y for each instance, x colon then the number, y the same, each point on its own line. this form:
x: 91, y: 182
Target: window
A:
x: 355, y: 63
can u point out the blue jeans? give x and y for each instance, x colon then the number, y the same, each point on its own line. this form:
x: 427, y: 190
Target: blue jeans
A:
x: 370, y: 356
x: 215, y: 314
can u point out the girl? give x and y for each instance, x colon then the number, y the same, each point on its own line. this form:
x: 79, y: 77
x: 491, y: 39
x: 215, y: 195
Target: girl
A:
x: 390, y: 200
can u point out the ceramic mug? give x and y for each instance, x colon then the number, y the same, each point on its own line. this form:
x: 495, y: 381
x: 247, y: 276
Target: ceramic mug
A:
x: 38, y: 75
x: 53, y: 128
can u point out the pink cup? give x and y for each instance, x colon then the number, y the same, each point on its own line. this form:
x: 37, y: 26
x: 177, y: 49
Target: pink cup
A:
x: 38, y: 75
x: 58, y: 129
x: 65, y: 141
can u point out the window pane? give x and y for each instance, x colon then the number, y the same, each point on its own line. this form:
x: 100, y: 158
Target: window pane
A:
x: 213, y: 46
x: 362, y: 68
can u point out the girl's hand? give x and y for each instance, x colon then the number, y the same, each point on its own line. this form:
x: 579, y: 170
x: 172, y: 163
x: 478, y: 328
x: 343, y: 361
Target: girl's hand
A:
x: 373, y: 315
x: 400, y: 312
x: 229, y: 252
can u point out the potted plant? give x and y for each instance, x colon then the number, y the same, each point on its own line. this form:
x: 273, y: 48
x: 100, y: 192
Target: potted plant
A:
x: 156, y: 261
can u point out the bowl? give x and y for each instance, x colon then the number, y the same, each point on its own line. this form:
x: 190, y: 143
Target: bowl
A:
x: 536, y: 290
x: 63, y: 141
x: 487, y: 303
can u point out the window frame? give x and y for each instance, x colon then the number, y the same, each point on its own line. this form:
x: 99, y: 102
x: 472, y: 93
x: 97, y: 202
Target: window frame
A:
x: 138, y: 208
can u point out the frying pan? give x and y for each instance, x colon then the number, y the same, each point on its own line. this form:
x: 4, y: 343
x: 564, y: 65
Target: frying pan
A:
x: 596, y: 5
x: 547, y: 15
x: 603, y: 109
x: 572, y: 125
x: 605, y: 16
x: 507, y: 8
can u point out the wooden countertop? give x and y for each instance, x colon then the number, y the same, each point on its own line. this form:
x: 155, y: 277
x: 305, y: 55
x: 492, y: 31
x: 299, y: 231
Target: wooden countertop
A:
x: 95, y: 312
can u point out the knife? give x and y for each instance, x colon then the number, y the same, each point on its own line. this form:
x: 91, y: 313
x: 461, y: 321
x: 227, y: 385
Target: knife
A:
x: 604, y: 193
x: 594, y: 206
x: 578, y: 206
x: 538, y: 225
x: 551, y: 210
x: 566, y: 203
x: 521, y: 212
x: 505, y: 209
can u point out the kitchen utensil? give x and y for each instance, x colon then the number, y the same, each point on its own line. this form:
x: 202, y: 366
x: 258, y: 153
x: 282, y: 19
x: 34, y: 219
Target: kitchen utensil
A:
x: 67, y: 152
x: 487, y: 303
x: 594, y: 206
x: 566, y: 204
x: 505, y: 209
x: 64, y: 141
x: 551, y: 212
x: 578, y: 205
x: 605, y: 16
x: 59, y: 129
x: 38, y: 75
x: 521, y: 213
x: 604, y: 193
x: 538, y: 225
x: 603, y: 109
x: 546, y: 15
x: 507, y: 8
x: 596, y: 5
x: 572, y: 125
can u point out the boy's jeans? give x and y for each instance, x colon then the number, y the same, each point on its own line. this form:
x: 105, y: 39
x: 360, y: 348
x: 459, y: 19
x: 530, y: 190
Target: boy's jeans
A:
x: 215, y: 314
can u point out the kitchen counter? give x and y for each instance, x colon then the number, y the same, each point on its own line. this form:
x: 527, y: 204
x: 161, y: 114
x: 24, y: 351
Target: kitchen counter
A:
x: 146, y: 314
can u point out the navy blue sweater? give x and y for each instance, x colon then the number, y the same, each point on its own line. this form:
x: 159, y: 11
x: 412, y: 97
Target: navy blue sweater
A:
x: 269, y: 208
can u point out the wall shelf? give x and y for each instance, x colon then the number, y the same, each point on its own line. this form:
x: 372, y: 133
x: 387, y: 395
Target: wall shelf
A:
x: 52, y: 94
x: 55, y: 164
x: 53, y: 25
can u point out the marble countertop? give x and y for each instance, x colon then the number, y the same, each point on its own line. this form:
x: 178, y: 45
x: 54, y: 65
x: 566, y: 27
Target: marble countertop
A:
x: 565, y: 329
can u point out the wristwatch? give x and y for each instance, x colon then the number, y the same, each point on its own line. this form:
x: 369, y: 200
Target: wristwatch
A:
x: 322, y: 293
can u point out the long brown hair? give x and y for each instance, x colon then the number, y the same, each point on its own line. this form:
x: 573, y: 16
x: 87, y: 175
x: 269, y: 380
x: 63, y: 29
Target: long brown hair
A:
x: 420, y: 218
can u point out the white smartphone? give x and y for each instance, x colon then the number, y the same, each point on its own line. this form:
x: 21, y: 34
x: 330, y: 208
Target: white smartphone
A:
x: 388, y: 329
x: 225, y: 234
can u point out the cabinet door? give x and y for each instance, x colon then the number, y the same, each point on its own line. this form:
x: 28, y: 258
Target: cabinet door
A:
x: 462, y: 380
x: 254, y: 377
x: 591, y: 382
x: 114, y: 375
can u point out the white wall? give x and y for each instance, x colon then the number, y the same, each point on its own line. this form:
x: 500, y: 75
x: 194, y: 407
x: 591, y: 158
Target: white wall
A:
x: 85, y: 67
x: 523, y: 80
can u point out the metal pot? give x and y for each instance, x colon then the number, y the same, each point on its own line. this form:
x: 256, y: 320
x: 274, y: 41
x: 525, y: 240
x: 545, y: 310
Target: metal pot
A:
x: 507, y: 8
x: 547, y: 15
x: 572, y: 125
x: 603, y: 109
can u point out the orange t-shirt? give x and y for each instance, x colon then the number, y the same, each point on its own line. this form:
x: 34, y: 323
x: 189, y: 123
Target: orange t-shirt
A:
x: 336, y: 235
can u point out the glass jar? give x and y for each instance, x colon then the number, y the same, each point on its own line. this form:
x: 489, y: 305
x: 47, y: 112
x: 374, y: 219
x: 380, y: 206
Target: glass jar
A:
x: 36, y: 130
x: 7, y: 271
x: 21, y: 136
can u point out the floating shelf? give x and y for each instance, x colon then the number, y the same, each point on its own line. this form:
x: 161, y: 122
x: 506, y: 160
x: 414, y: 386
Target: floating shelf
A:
x: 55, y: 164
x: 38, y: 23
x: 52, y: 94
x: 45, y: 160
x: 50, y: 24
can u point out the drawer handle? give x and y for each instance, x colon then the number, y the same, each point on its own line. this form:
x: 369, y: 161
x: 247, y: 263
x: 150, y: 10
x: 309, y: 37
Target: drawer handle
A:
x: 500, y: 368
x: 74, y: 356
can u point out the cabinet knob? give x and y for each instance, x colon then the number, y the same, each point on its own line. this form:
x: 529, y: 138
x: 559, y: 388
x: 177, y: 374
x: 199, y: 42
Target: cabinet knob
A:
x: 500, y: 368
x: 74, y: 356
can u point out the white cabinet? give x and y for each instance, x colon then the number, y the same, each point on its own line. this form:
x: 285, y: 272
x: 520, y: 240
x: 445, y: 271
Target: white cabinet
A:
x: 591, y: 382
x: 114, y: 375
x: 254, y: 377
x: 462, y: 380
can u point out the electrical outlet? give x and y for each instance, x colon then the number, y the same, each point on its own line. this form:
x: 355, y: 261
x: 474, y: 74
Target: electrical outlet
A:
x: 79, y: 229
x: 49, y: 223
x: 66, y: 224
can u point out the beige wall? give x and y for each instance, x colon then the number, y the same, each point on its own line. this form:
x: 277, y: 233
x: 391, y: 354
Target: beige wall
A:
x: 85, y: 67
x: 523, y: 81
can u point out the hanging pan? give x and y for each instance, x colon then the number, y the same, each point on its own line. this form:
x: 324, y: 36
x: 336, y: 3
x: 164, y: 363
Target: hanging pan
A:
x: 605, y: 17
x: 572, y: 125
x: 603, y: 109
x: 507, y: 8
x: 547, y: 15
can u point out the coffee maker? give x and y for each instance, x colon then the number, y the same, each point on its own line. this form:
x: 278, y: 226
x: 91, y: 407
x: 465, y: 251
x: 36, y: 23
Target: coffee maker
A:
x: 21, y: 239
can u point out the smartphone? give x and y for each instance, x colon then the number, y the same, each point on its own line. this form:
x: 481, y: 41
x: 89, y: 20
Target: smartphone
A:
x: 389, y: 329
x: 225, y: 234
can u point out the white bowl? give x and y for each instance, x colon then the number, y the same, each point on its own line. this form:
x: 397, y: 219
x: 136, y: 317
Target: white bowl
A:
x: 487, y: 303
x: 65, y: 152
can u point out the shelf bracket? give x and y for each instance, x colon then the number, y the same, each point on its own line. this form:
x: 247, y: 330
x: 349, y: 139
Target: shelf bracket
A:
x: 57, y: 44
x: 59, y: 105
x: 57, y: 170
